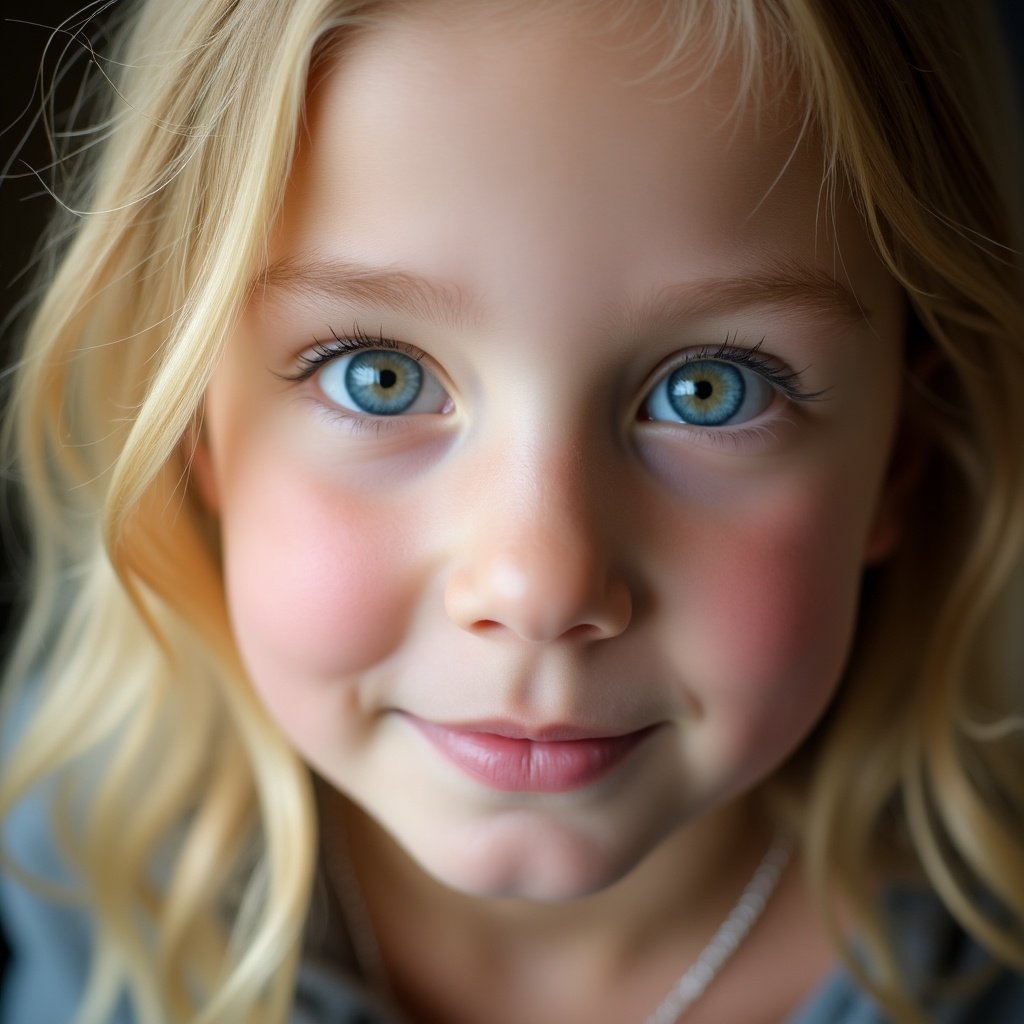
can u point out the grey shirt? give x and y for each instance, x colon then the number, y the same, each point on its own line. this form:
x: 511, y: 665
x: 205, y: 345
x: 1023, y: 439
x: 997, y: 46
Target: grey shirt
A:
x: 932, y: 945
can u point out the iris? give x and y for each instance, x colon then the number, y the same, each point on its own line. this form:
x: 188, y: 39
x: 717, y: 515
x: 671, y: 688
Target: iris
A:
x: 706, y: 392
x: 380, y: 382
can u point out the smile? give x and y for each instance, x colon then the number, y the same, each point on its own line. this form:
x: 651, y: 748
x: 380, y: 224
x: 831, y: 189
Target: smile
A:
x: 551, y: 760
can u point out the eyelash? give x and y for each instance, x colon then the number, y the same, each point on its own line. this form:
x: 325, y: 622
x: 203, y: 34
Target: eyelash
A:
x: 323, y: 352
x: 789, y: 382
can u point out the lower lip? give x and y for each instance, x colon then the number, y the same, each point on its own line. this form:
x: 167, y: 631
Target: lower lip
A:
x: 530, y: 766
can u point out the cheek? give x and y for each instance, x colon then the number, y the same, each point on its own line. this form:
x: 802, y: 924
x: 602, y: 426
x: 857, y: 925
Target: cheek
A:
x: 774, y: 624
x: 316, y: 583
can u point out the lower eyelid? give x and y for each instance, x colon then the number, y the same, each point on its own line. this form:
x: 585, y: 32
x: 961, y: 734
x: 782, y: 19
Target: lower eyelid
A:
x: 352, y: 423
x: 768, y: 428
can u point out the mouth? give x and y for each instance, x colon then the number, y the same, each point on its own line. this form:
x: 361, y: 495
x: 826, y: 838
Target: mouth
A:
x: 517, y: 759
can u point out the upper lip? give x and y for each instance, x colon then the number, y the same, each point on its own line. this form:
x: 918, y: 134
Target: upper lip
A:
x: 552, y: 733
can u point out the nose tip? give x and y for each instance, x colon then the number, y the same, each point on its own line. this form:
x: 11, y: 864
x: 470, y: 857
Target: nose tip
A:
x: 540, y: 594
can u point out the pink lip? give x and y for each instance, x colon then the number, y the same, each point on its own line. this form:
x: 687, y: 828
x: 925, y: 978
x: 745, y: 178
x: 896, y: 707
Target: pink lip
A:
x: 555, y: 759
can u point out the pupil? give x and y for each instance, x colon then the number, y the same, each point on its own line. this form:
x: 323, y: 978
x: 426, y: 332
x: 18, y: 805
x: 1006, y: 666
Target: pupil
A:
x: 703, y: 389
x: 387, y: 378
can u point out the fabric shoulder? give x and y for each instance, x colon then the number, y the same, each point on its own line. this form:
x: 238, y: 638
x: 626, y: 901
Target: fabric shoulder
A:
x: 934, y: 952
x: 50, y: 943
x: 326, y: 995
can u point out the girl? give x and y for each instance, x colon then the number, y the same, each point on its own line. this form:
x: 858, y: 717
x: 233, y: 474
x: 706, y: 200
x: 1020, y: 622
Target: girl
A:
x: 526, y: 504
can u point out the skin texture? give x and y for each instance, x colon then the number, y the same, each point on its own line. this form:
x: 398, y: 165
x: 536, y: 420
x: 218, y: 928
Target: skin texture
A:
x: 532, y: 548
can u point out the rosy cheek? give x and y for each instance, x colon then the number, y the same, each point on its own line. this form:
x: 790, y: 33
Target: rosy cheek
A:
x: 778, y: 606
x: 317, y: 583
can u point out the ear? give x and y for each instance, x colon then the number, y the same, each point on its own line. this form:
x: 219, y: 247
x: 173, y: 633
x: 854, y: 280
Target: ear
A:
x: 910, y: 455
x: 200, y: 466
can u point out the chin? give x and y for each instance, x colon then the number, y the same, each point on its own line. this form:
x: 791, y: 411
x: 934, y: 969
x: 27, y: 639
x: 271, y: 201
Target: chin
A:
x: 527, y: 859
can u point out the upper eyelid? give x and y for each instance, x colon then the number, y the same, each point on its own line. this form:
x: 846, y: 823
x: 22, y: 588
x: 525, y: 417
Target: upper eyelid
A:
x: 779, y: 375
x: 326, y: 349
x: 358, y: 340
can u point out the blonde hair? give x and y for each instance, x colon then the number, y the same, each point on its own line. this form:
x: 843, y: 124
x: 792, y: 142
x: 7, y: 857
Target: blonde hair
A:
x: 144, y: 712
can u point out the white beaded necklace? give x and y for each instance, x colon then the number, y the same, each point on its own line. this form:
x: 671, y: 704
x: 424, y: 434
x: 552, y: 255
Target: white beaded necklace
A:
x: 733, y: 930
x: 691, y: 985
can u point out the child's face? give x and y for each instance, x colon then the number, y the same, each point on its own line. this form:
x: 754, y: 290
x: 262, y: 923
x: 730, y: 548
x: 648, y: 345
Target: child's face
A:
x: 593, y: 519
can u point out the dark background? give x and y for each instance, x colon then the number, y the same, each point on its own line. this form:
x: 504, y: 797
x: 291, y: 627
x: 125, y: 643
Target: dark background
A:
x: 25, y: 27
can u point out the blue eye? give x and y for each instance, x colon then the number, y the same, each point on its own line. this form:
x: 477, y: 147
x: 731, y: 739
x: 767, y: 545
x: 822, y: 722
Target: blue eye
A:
x: 709, y: 393
x: 380, y: 382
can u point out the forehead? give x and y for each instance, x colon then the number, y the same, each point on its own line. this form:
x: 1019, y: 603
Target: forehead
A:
x: 483, y: 148
x: 515, y: 91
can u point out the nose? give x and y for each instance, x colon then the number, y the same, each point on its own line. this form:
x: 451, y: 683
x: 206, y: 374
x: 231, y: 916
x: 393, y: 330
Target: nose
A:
x: 537, y: 560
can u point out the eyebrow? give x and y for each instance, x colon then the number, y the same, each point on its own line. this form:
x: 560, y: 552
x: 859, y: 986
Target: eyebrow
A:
x: 783, y: 283
x: 346, y: 280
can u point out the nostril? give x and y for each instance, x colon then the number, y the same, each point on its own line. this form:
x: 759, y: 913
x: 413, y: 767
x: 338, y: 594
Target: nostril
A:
x: 583, y: 631
x: 501, y: 595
